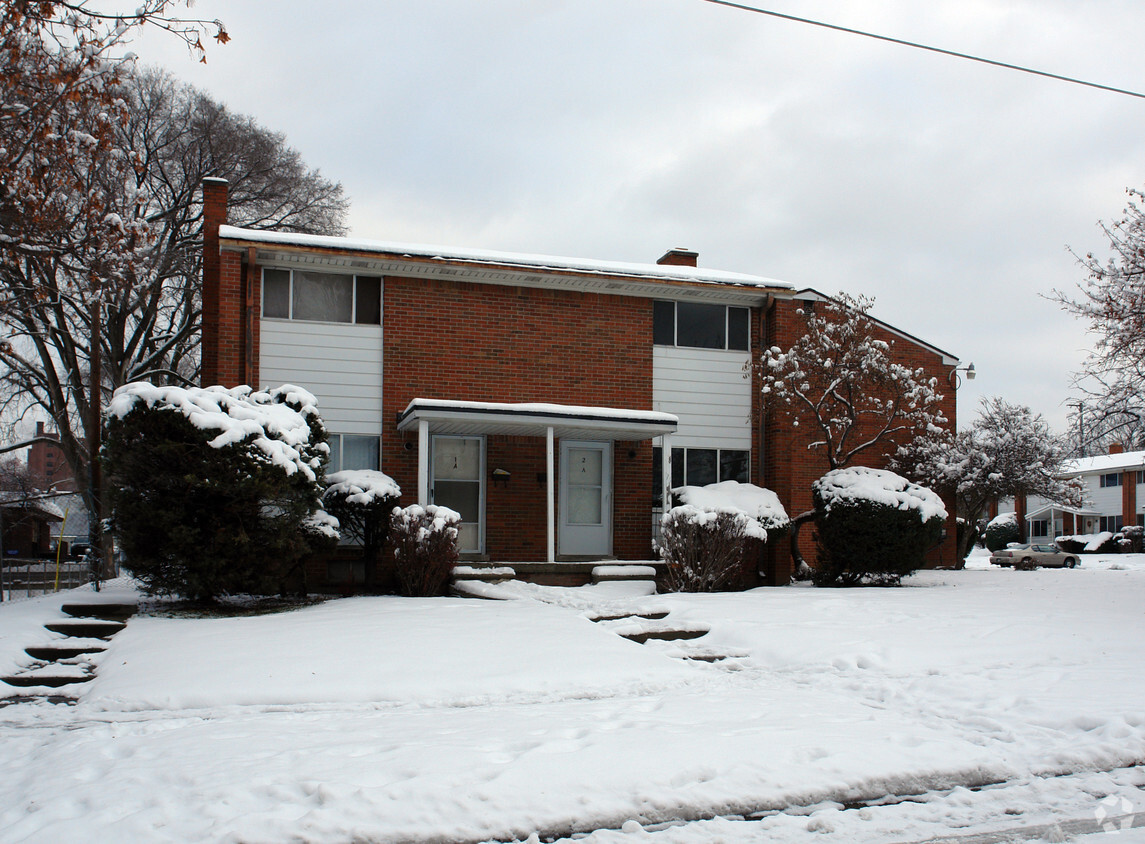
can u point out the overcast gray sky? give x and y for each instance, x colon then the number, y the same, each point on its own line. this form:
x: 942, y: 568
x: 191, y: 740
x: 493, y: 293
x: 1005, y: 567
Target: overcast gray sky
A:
x: 616, y: 129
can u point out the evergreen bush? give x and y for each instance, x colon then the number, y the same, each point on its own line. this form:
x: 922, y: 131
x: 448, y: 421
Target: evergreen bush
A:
x: 873, y: 527
x: 425, y: 548
x: 216, y: 491
x: 362, y: 501
x: 1001, y: 531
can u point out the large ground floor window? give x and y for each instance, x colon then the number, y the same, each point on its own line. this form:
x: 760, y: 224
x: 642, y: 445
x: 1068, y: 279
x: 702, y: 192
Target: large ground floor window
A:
x: 700, y: 467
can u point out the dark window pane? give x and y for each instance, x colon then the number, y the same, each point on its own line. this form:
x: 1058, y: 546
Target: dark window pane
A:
x: 664, y: 323
x: 701, y: 466
x: 701, y: 326
x: 677, y: 467
x: 738, y: 329
x: 462, y: 496
x: 276, y: 293
x: 733, y: 466
x: 368, y: 304
x: 657, y: 470
x: 323, y: 297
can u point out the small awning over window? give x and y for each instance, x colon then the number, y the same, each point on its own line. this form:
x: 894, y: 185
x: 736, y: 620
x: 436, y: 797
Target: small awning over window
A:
x: 534, y: 420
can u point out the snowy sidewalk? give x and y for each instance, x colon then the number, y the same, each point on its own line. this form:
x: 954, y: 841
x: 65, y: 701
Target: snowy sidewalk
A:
x: 1004, y: 698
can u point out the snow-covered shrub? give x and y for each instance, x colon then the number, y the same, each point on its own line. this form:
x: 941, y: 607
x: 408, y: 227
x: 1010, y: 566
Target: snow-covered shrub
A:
x: 216, y: 491
x: 710, y: 540
x: 362, y: 501
x: 1104, y: 542
x: 704, y: 551
x: 1133, y: 535
x: 1002, y: 530
x: 425, y: 548
x: 873, y: 527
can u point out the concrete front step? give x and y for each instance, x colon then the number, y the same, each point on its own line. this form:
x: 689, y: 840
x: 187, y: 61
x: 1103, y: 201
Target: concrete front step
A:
x: 86, y: 628
x: 50, y: 653
x: 105, y: 611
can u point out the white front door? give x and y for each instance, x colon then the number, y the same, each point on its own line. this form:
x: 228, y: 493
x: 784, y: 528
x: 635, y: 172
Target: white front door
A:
x: 586, y: 499
x: 458, y: 470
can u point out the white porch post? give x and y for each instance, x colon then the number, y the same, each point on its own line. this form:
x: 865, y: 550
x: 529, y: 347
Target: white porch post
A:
x: 550, y: 492
x: 666, y: 472
x: 423, y: 462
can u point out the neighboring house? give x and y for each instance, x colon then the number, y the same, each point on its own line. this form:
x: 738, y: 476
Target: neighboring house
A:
x: 550, y: 401
x: 1114, y: 487
x: 50, y: 470
x: 27, y: 525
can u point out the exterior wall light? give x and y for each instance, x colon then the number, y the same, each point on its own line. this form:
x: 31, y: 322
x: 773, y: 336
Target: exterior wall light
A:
x: 956, y: 379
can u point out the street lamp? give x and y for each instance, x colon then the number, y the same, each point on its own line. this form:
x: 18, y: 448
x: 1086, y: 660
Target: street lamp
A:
x: 956, y: 379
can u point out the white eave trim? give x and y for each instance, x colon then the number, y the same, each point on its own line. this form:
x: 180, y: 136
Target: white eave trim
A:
x: 534, y: 420
x: 488, y: 267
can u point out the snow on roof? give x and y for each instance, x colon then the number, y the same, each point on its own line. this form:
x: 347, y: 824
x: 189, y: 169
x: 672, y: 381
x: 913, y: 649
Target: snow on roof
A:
x: 879, y: 485
x: 512, y: 260
x: 758, y: 503
x: 1104, y: 463
x: 280, y: 432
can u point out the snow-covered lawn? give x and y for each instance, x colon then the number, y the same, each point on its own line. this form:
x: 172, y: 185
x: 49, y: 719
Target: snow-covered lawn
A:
x: 999, y: 700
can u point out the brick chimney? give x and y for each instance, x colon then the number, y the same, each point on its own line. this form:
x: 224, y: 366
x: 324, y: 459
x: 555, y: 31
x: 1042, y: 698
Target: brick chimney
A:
x: 679, y: 257
x: 1116, y: 448
x: 214, y: 215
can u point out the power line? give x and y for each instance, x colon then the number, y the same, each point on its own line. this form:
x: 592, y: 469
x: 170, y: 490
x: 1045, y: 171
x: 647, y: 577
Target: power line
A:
x: 918, y: 46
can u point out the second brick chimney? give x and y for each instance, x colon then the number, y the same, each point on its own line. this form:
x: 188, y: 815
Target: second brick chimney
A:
x: 679, y: 257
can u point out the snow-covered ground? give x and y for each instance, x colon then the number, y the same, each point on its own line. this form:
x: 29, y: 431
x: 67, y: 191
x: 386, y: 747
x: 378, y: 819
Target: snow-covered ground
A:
x: 970, y: 706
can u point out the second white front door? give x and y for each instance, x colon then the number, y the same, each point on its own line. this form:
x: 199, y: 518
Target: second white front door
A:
x: 585, y: 498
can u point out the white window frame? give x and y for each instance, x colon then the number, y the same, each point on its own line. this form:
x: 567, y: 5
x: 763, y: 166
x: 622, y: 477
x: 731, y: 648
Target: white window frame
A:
x: 290, y: 296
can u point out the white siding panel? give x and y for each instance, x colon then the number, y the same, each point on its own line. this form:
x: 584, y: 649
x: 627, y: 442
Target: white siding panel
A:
x: 341, y: 364
x: 708, y: 391
x: 1106, y: 500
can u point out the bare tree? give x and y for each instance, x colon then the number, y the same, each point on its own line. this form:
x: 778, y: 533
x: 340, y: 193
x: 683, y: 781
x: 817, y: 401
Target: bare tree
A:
x: 1112, y: 301
x: 126, y: 270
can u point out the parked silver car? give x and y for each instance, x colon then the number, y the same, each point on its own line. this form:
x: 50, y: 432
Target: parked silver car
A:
x: 1031, y: 556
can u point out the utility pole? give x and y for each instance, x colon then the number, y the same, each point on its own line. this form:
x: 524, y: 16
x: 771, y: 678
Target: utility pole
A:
x: 1080, y: 405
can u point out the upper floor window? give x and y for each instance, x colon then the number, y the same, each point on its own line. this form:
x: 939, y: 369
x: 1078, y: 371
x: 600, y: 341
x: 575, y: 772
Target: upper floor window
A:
x: 321, y: 297
x: 700, y: 326
x: 1110, y: 479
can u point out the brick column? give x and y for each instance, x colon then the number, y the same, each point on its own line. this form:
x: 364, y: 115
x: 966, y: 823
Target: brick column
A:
x: 214, y: 215
x: 1129, y: 498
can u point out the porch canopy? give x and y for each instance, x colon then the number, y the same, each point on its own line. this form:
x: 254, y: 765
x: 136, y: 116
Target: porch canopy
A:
x: 1051, y: 512
x: 533, y: 419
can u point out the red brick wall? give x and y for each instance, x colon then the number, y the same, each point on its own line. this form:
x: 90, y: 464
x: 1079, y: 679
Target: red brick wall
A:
x: 790, y: 467
x: 473, y: 342
x: 1129, y: 498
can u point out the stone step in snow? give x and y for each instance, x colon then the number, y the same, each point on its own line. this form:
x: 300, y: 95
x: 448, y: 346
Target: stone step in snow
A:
x: 613, y: 573
x: 650, y: 616
x: 52, y: 675
x: 86, y: 628
x: 107, y: 611
x: 484, y: 574
x: 667, y: 634
x: 53, y: 653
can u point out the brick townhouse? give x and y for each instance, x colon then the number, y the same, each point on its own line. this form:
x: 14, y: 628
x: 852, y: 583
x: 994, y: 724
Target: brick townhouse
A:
x: 537, y: 396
